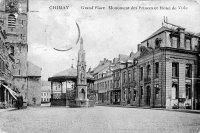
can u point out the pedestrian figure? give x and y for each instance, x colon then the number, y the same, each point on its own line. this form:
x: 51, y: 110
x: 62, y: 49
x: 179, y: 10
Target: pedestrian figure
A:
x: 19, y: 102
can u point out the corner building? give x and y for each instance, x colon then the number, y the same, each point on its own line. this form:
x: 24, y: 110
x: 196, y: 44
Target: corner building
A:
x: 167, y: 69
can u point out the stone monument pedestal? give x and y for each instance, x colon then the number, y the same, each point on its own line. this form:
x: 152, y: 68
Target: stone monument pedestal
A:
x: 79, y: 103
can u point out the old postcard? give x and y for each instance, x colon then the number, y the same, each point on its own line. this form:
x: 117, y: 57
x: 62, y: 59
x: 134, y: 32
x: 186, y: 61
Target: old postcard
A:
x: 110, y: 66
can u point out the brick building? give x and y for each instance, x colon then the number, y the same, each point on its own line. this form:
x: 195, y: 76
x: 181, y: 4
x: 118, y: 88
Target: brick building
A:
x: 166, y: 69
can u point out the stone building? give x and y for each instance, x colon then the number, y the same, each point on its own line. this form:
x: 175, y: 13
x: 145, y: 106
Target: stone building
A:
x: 14, y: 20
x: 45, y: 92
x: 167, y: 69
x: 119, y: 64
x: 128, y: 81
x: 108, y: 80
x: 102, y: 76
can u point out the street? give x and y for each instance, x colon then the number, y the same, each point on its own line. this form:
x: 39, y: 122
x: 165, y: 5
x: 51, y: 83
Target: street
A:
x: 97, y: 120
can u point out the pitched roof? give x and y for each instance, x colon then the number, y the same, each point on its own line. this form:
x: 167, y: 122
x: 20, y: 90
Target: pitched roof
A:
x: 101, y: 66
x: 163, y: 28
x: 69, y: 73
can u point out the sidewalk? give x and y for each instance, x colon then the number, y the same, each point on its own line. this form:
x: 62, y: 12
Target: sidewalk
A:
x: 8, y: 109
x: 147, y: 107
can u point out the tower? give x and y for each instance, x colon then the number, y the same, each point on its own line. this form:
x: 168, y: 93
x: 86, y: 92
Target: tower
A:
x: 81, y: 93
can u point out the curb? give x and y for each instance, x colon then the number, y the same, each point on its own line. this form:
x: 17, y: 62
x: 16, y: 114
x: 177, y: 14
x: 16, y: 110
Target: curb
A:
x: 164, y: 109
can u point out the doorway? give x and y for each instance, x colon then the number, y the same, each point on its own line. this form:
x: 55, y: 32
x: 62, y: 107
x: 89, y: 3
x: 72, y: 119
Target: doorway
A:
x: 148, y: 95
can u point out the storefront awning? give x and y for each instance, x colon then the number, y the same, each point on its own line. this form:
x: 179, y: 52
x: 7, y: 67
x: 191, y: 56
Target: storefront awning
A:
x: 14, y: 94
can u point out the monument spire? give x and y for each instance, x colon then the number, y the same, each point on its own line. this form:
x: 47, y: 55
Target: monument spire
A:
x: 81, y: 44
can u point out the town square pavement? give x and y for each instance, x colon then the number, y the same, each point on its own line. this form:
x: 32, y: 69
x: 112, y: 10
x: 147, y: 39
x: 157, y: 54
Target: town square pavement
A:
x: 99, y: 119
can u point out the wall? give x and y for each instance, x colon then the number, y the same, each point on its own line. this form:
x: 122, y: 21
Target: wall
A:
x: 34, y: 91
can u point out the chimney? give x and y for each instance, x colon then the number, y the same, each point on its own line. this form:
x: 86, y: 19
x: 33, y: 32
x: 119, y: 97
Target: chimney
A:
x: 182, y: 37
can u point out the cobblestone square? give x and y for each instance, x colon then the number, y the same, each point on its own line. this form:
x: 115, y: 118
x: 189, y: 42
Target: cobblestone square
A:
x: 97, y: 120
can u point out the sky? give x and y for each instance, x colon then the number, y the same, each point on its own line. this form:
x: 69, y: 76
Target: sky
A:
x: 106, y: 33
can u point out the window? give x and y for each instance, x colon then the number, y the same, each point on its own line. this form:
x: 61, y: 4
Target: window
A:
x: 141, y: 89
x: 188, y: 91
x: 134, y: 95
x: 157, y: 43
x: 11, y: 21
x: 174, y: 42
x: 157, y: 70
x: 188, y: 44
x: 11, y: 50
x: 175, y: 70
x: 148, y: 71
x: 175, y: 91
x: 129, y: 75
x: 133, y: 75
x: 141, y: 73
x: 124, y: 77
x: 188, y: 71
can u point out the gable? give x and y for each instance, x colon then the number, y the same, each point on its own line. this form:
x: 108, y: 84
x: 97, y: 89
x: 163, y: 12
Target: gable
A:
x: 145, y: 51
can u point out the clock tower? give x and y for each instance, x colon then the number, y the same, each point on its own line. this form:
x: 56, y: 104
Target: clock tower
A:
x: 81, y: 75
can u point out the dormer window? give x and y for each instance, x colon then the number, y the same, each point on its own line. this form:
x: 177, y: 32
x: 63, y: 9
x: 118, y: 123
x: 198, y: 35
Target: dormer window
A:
x: 188, y: 44
x: 174, y: 42
x: 141, y: 49
x: 157, y: 43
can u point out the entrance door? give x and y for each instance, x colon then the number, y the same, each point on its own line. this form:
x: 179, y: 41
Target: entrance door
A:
x: 148, y: 95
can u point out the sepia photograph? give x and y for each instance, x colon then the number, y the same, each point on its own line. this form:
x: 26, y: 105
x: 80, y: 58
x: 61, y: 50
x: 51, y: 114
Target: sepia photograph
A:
x: 99, y: 66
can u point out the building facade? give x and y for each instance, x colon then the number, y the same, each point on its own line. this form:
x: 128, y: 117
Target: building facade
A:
x: 45, y: 92
x: 165, y: 70
x: 102, y: 77
x: 6, y: 75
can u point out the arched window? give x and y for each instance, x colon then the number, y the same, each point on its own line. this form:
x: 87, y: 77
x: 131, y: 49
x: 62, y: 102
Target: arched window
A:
x: 11, y: 21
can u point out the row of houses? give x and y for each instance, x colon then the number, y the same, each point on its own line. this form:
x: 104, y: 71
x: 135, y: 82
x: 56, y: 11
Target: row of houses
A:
x: 17, y: 74
x: 164, y: 72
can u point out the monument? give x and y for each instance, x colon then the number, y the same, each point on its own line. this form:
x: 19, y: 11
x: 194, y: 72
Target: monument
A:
x: 81, y: 89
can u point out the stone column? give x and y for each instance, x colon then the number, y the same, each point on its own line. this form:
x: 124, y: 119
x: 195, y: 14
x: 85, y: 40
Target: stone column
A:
x: 168, y: 84
x: 182, y: 93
